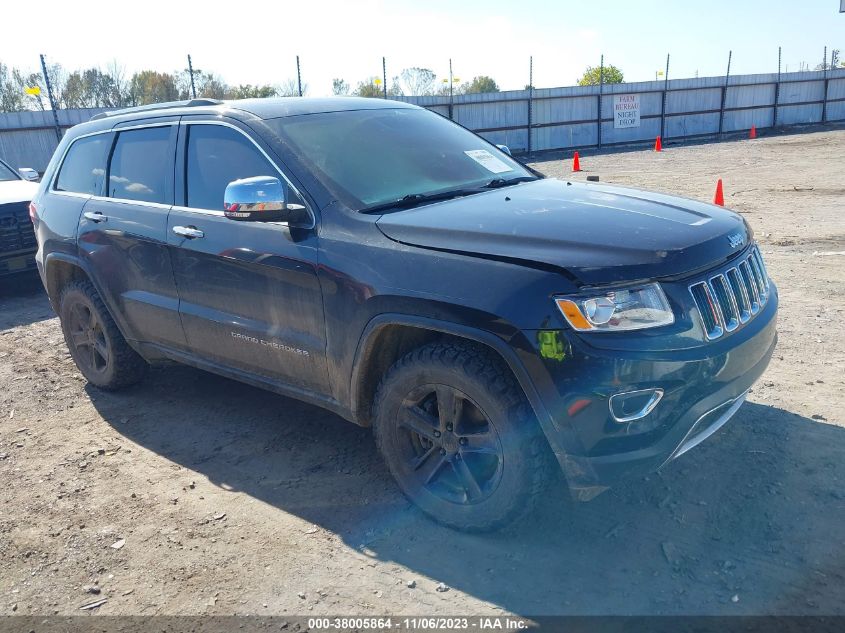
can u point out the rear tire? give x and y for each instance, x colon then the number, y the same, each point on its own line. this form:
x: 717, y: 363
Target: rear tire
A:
x: 96, y: 345
x: 459, y: 436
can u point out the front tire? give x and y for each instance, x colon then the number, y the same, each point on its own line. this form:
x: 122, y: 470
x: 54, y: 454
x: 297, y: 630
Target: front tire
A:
x: 96, y: 345
x: 459, y: 437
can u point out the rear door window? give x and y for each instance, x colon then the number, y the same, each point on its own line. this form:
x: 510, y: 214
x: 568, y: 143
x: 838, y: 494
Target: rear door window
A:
x: 140, y: 163
x: 84, y: 167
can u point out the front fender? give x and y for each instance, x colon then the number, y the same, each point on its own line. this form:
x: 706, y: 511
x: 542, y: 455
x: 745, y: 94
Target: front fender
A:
x: 509, y: 350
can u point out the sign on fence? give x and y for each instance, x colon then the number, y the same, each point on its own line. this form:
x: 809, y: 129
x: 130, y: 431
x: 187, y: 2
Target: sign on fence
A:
x: 626, y: 111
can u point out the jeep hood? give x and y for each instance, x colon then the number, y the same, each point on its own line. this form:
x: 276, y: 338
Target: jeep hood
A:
x: 597, y: 233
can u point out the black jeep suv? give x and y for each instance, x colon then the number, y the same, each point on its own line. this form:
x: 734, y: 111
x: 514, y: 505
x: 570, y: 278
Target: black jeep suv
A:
x: 376, y: 259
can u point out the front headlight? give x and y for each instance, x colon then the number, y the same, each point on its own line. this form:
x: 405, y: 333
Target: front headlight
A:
x: 618, y: 310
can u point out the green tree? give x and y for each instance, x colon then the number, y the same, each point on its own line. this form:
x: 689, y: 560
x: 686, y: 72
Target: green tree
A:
x: 482, y: 83
x: 213, y: 87
x: 91, y: 88
x: 12, y: 84
x: 612, y: 75
x: 369, y: 88
x: 248, y: 91
x: 150, y: 86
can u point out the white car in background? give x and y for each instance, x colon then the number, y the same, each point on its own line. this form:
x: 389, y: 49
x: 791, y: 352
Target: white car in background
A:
x: 17, y: 238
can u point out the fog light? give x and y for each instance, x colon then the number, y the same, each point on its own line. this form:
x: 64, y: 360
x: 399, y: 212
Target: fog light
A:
x: 630, y: 406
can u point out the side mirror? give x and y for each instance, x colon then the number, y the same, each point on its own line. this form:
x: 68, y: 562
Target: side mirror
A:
x: 28, y: 173
x: 505, y: 149
x: 259, y: 199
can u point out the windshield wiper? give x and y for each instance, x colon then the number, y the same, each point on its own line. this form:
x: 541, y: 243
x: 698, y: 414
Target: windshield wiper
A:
x: 414, y: 199
x: 505, y: 182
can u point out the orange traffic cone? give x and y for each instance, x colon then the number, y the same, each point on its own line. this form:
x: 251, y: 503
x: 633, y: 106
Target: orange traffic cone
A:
x: 576, y: 162
x: 658, y: 146
x: 753, y: 132
x: 719, y: 198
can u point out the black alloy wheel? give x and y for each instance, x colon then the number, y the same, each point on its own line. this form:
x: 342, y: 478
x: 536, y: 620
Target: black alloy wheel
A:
x: 91, y: 348
x: 450, y: 447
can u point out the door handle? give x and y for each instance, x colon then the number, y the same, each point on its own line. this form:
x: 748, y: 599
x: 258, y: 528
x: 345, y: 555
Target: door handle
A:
x: 95, y: 216
x: 191, y: 232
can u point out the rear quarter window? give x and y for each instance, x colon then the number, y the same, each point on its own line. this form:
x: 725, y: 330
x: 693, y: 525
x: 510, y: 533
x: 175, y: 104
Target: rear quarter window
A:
x: 84, y: 167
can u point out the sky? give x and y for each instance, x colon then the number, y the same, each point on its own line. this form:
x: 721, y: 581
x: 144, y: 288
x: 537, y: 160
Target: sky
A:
x: 257, y: 42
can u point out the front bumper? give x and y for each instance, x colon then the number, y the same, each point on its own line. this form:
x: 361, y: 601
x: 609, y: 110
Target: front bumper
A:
x: 703, y: 387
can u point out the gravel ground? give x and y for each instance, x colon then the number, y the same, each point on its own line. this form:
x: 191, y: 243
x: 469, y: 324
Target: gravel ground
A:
x: 192, y: 494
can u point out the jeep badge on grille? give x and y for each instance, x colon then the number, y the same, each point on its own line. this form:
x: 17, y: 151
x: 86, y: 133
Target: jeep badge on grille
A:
x: 736, y: 239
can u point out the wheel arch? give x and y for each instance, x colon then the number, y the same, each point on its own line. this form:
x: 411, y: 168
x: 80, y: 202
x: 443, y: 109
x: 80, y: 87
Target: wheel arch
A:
x: 387, y: 337
x: 61, y: 269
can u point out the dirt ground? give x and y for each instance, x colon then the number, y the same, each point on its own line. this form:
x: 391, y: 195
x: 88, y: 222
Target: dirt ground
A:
x: 192, y: 494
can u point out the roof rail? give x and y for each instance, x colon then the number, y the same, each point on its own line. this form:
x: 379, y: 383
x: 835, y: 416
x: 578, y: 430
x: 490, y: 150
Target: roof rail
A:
x: 192, y: 103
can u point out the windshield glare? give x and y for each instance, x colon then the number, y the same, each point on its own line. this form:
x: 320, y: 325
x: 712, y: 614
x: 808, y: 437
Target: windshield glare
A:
x: 7, y: 173
x: 372, y: 157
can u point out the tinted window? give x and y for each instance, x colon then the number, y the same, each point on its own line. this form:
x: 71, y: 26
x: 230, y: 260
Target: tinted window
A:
x: 217, y: 155
x: 84, y: 168
x: 139, y: 165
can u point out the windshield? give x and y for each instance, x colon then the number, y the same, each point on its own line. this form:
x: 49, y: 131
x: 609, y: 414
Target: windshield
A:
x: 372, y: 157
x: 7, y: 173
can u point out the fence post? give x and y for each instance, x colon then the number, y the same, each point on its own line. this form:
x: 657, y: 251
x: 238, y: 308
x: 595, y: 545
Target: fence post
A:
x: 53, y: 104
x: 530, y: 96
x: 384, y: 77
x: 191, y: 72
x: 663, y: 104
x: 298, y: 77
x: 724, y: 95
x: 824, y: 98
x: 601, y: 84
x: 451, y: 101
x: 777, y: 93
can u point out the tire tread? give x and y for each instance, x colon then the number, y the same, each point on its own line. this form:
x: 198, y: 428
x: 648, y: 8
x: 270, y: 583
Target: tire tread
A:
x: 129, y: 367
x: 477, y: 362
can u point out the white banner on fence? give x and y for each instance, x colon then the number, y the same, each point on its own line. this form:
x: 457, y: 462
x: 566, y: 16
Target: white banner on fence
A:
x: 626, y: 110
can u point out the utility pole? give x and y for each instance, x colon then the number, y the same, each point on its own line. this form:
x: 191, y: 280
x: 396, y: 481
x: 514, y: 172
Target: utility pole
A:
x: 53, y: 105
x: 298, y: 77
x: 191, y: 72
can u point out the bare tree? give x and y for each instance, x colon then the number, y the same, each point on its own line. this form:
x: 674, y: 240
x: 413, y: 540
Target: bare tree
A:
x: 418, y: 81
x: 290, y: 88
x: 340, y: 87
x: 120, y: 85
